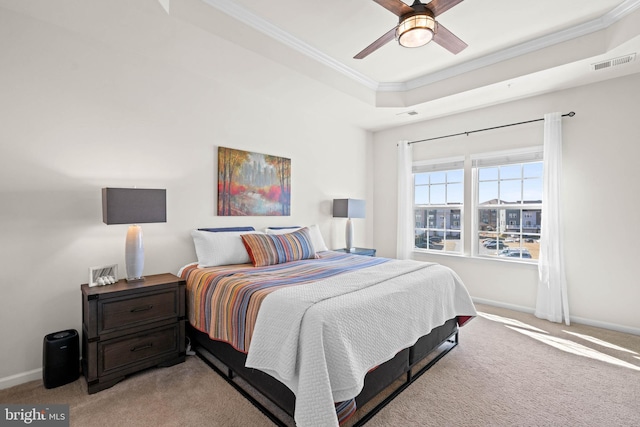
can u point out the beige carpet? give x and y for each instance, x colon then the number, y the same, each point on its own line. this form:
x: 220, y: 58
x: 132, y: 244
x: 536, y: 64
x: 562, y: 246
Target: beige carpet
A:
x: 498, y: 376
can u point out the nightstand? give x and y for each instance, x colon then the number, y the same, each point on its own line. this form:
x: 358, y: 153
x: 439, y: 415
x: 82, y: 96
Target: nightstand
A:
x: 358, y: 251
x: 127, y: 327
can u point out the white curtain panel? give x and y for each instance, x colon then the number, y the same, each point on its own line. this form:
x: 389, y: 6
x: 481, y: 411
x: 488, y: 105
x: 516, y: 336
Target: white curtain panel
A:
x: 405, y: 204
x: 552, y: 303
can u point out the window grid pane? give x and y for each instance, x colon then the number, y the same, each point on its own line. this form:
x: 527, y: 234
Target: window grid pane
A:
x: 505, y: 185
x: 438, y: 199
x: 510, y: 229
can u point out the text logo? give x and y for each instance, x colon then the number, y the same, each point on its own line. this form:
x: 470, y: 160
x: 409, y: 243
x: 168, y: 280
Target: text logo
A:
x: 34, y: 415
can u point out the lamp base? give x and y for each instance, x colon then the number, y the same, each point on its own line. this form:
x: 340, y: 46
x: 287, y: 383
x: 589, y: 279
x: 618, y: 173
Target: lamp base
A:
x: 348, y: 235
x: 134, y: 253
x: 134, y: 279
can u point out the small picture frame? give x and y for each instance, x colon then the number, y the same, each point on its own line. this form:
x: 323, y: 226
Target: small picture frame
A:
x: 103, y: 275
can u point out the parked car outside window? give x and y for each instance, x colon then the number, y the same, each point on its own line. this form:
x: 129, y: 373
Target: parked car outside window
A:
x: 515, y: 253
x: 496, y: 245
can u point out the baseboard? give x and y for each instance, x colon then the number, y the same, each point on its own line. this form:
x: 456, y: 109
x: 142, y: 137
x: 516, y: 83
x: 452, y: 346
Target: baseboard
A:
x: 21, y: 378
x: 605, y: 325
x: 573, y: 319
x: 504, y: 305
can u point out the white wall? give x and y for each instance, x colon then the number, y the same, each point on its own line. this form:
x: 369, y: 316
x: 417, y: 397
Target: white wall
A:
x: 600, y: 196
x: 82, y: 113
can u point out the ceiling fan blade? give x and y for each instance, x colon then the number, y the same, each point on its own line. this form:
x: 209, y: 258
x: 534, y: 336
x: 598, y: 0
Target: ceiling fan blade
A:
x: 448, y: 40
x: 386, y: 38
x: 395, y: 6
x: 441, y: 6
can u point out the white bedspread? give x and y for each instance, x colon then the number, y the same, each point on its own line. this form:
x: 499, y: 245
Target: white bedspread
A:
x: 320, y: 339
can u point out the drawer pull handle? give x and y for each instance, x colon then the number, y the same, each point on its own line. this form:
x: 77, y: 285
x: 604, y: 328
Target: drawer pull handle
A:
x: 142, y: 308
x: 141, y: 347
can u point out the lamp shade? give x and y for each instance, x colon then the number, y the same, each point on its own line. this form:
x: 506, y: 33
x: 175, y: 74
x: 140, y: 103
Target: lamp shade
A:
x: 348, y: 208
x: 133, y: 205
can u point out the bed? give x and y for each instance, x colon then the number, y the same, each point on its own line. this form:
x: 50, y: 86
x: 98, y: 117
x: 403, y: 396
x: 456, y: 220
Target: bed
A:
x: 303, y: 325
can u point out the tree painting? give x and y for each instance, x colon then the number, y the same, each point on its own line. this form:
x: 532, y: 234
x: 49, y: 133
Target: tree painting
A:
x: 253, y: 184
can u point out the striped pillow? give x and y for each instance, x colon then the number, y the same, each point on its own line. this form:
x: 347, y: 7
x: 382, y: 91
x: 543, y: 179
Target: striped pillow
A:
x: 270, y: 249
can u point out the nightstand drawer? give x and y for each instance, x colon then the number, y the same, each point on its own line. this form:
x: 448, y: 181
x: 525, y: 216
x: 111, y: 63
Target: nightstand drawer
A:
x: 120, y: 353
x: 128, y: 311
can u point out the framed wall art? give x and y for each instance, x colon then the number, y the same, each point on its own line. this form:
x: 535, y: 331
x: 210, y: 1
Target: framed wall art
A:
x: 253, y: 184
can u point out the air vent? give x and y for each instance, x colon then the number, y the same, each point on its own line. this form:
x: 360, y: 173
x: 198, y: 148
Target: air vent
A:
x: 613, y: 62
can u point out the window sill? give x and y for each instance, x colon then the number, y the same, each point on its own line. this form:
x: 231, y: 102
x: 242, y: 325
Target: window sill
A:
x: 533, y: 263
x: 439, y: 253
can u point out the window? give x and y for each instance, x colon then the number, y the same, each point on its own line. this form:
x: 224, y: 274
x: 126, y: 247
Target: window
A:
x: 438, y: 200
x: 508, y: 204
x: 506, y: 211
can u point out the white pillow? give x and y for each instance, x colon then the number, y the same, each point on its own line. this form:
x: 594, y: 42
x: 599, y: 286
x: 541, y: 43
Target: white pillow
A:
x: 314, y: 230
x: 220, y: 248
x: 316, y: 238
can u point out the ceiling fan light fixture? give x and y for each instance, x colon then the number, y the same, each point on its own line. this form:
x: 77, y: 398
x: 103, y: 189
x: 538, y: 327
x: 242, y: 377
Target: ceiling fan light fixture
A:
x: 416, y: 30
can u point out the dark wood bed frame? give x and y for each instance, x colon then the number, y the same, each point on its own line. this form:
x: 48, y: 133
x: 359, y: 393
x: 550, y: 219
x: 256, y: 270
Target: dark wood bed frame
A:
x: 411, y: 363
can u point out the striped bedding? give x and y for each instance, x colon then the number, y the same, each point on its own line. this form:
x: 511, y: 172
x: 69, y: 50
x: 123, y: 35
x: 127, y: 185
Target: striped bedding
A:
x: 223, y: 301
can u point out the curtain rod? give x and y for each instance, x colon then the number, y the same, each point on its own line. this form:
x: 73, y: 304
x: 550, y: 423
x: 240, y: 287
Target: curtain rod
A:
x: 570, y: 114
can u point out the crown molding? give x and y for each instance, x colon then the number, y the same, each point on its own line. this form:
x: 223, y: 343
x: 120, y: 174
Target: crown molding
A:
x: 503, y: 55
x: 166, y: 4
x: 522, y: 49
x: 621, y: 11
x: 245, y: 16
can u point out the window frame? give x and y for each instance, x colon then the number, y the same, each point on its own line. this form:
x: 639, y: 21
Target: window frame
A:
x: 440, y: 165
x: 498, y: 159
x: 469, y: 228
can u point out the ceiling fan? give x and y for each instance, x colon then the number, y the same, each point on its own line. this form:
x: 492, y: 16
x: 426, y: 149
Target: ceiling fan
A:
x: 417, y: 26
